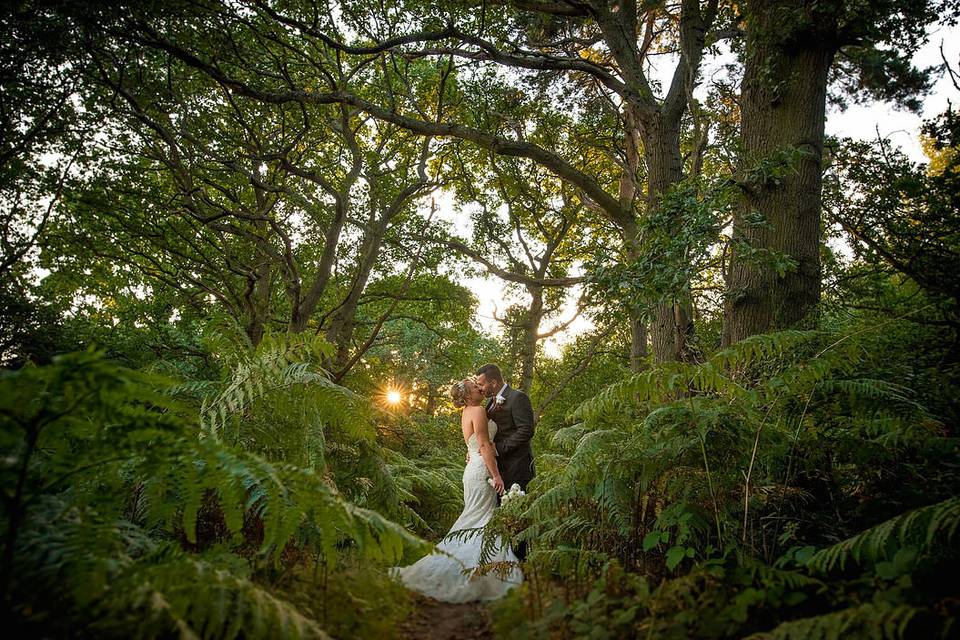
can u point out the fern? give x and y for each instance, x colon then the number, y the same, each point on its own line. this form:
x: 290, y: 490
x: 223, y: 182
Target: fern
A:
x: 406, y: 478
x: 766, y: 575
x: 879, y: 620
x: 652, y: 470
x: 719, y: 375
x: 762, y: 347
x: 127, y: 583
x: 278, y: 364
x: 94, y: 433
x: 567, y: 437
x: 921, y: 527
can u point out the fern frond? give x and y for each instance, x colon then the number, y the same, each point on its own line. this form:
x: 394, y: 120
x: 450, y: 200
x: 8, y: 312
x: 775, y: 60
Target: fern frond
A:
x: 921, y: 527
x: 567, y: 560
x: 657, y: 383
x: 567, y: 437
x: 879, y: 620
x: 669, y: 380
x: 127, y: 584
x: 169, y: 591
x: 768, y: 575
x: 274, y: 366
x: 870, y: 389
x: 763, y: 347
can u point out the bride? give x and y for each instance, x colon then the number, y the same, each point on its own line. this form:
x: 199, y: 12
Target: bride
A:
x: 448, y: 574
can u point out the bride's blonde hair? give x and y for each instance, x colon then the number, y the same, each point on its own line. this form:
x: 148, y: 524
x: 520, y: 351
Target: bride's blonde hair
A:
x: 459, y: 391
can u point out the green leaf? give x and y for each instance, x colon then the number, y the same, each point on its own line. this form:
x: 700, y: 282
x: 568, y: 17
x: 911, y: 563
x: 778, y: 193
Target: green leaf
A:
x: 674, y: 556
x: 803, y: 554
x: 651, y: 540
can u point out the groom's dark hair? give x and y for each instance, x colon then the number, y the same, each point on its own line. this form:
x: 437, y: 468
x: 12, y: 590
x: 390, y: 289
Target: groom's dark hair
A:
x: 490, y: 371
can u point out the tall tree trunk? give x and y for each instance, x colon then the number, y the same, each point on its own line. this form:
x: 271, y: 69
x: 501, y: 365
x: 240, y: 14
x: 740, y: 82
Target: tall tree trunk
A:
x: 638, y: 325
x: 638, y: 341
x: 659, y: 128
x: 257, y: 298
x: 531, y: 336
x: 627, y: 195
x: 341, y: 329
x: 672, y: 321
x: 303, y: 308
x: 258, y: 307
x: 783, y: 99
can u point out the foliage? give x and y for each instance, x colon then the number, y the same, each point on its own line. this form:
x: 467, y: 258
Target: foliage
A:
x: 900, y: 216
x: 692, y: 500
x: 927, y: 526
x: 227, y: 229
x: 677, y: 244
x: 156, y: 527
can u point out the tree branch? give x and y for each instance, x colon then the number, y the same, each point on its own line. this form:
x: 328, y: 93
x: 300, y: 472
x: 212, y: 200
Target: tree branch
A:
x: 505, y: 274
x: 588, y: 185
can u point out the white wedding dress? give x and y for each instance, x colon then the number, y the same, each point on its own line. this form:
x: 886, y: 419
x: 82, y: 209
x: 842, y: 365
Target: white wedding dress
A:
x: 449, y: 578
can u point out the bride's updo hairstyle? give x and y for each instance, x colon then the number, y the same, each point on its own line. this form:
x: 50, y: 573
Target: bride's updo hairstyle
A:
x: 459, y: 392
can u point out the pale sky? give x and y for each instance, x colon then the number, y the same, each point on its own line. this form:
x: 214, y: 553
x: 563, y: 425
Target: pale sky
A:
x: 857, y: 121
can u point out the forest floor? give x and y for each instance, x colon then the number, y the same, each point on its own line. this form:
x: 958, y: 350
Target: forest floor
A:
x: 433, y: 620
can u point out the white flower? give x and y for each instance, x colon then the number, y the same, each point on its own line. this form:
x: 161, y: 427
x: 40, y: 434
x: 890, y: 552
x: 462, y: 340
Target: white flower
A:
x: 515, y: 492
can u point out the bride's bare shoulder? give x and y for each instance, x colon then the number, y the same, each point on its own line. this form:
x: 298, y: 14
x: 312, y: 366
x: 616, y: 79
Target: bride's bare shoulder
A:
x: 473, y: 410
x: 473, y: 414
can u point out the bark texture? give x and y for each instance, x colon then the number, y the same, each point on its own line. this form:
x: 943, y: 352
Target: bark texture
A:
x: 531, y: 337
x: 790, y: 47
x: 672, y: 324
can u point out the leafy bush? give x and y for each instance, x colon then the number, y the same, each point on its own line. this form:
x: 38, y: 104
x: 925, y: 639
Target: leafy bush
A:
x: 792, y: 485
x: 124, y: 520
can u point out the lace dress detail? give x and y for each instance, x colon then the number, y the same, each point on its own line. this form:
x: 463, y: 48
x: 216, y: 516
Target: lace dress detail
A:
x: 448, y: 578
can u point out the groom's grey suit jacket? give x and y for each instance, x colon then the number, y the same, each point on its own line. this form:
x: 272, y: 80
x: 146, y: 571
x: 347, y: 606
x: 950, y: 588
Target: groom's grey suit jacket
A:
x: 514, y: 420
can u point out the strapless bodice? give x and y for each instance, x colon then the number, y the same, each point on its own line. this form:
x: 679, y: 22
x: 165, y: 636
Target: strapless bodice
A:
x: 473, y: 445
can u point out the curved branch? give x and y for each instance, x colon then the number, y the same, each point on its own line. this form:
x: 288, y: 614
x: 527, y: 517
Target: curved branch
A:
x: 563, y: 325
x: 527, y: 60
x: 587, y: 185
x: 566, y: 8
x: 504, y: 274
x: 386, y: 45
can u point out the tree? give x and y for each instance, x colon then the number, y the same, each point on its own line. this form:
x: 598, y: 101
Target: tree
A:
x: 430, y: 340
x: 43, y: 128
x: 526, y: 232
x: 789, y: 52
x: 277, y: 213
x: 903, y: 217
x: 649, y: 126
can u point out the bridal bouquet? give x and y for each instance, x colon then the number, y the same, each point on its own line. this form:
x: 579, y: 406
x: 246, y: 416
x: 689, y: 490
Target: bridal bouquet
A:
x: 515, y: 492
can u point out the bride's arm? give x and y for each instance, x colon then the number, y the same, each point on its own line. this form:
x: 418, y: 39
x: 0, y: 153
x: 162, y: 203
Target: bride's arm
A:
x: 486, y: 447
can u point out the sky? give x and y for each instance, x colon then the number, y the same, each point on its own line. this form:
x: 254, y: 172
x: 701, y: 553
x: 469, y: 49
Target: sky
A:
x: 858, y: 121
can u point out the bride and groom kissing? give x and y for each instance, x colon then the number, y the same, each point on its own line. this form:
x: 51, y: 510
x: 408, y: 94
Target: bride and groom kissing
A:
x: 497, y: 423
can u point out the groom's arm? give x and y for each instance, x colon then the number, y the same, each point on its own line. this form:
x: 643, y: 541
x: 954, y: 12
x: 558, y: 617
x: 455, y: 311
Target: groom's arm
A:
x: 523, y: 422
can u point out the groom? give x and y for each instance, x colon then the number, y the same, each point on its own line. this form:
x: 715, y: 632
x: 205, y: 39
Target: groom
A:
x: 511, y: 410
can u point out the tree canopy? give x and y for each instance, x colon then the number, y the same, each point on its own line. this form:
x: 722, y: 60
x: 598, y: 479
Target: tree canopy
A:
x: 246, y: 247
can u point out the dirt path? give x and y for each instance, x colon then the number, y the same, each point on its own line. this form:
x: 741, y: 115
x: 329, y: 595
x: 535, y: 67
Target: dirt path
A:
x: 433, y: 620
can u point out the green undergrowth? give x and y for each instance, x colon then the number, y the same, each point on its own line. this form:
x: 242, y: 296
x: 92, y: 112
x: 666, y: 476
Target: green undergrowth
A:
x: 259, y: 505
x: 799, y: 484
